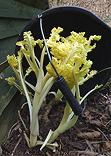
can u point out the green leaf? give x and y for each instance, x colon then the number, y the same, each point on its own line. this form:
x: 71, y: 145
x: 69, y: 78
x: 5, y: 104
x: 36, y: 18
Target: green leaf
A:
x: 14, y: 16
x: 36, y: 3
x: 7, y: 47
x: 6, y: 96
x: 25, y: 13
x: 3, y: 66
x: 11, y: 8
x: 11, y: 27
x: 9, y: 116
x: 6, y: 92
x: 9, y: 105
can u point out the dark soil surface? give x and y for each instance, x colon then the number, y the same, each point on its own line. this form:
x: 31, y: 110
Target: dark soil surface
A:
x: 91, y: 136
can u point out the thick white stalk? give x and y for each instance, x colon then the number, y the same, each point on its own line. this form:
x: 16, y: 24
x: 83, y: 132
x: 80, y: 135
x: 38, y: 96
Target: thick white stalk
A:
x: 38, y: 100
x: 34, y: 126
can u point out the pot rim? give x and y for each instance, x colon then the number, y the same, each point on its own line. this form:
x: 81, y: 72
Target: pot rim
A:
x: 76, y: 9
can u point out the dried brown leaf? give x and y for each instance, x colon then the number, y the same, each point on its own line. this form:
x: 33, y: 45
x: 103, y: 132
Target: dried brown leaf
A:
x: 107, y: 146
x: 96, y: 123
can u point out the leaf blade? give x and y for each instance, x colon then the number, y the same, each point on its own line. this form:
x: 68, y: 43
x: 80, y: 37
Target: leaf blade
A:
x: 7, y: 119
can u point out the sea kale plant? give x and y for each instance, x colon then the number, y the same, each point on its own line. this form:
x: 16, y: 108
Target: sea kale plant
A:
x: 70, y: 58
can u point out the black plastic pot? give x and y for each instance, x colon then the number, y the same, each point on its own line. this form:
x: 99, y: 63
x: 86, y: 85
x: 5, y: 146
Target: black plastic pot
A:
x: 79, y: 20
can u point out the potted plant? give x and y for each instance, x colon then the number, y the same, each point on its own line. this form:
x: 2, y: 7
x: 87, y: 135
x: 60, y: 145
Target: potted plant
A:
x: 37, y: 72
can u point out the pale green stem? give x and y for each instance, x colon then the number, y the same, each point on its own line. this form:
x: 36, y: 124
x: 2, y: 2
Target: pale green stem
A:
x: 37, y: 102
x: 33, y: 57
x: 34, y: 126
x: 61, y: 129
x: 19, y: 88
x: 30, y: 85
x: 25, y: 89
x: 37, y: 61
x: 48, y: 144
x: 48, y: 85
x: 42, y: 58
x: 16, y: 73
x: 59, y: 95
x: 19, y: 80
x: 31, y: 65
x: 95, y: 88
x: 64, y: 124
x: 67, y: 111
x: 46, y: 140
x: 72, y: 122
x: 46, y: 77
x: 76, y: 86
x: 35, y: 66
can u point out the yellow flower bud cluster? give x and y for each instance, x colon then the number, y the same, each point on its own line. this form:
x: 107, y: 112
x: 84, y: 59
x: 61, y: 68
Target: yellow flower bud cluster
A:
x: 69, y: 54
x: 27, y: 45
x: 10, y: 80
x: 12, y: 60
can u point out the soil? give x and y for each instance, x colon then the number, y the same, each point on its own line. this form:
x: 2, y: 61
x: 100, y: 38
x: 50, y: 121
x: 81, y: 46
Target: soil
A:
x: 91, y: 136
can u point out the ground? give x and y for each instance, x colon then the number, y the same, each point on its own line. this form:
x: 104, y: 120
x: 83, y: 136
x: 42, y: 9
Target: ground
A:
x: 91, y: 136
